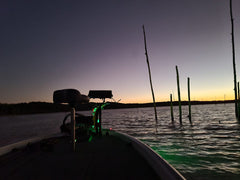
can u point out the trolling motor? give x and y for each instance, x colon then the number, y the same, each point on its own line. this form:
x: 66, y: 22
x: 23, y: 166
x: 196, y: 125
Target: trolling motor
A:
x: 97, y: 112
x: 73, y: 98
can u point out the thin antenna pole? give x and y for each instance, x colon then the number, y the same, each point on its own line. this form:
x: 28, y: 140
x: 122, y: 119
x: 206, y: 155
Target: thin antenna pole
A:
x: 149, y: 72
x: 234, y: 65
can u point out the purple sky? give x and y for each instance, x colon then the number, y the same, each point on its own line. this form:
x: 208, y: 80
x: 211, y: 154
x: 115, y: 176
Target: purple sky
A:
x: 93, y: 44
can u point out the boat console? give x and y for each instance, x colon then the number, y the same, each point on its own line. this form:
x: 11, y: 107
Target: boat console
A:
x: 97, y: 111
x: 80, y: 125
x: 101, y: 94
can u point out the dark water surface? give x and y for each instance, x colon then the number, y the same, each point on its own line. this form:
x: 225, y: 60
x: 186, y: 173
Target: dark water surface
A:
x: 210, y: 149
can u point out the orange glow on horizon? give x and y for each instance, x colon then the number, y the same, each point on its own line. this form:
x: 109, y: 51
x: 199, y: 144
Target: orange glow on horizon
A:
x: 194, y: 97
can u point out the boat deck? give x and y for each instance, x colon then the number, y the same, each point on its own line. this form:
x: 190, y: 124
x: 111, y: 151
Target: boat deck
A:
x: 104, y: 157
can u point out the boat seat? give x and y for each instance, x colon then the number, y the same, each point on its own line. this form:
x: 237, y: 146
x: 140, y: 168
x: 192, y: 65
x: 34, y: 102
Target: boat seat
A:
x: 70, y: 96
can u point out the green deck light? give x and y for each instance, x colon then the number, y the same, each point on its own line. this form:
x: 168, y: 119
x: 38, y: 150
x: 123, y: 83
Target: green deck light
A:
x: 105, y: 104
x: 94, y: 110
x: 90, y: 139
x: 98, y: 121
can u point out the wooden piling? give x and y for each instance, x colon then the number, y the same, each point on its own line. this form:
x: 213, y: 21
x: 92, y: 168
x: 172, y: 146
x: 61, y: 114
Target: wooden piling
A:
x: 171, y: 104
x: 238, y: 95
x: 238, y: 100
x: 149, y: 72
x: 189, y: 103
x: 73, y: 133
x: 179, y: 97
x: 234, y: 65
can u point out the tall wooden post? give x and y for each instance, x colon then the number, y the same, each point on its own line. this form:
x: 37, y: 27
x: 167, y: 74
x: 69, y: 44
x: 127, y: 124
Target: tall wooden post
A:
x: 189, y: 103
x: 149, y: 72
x: 171, y: 104
x: 179, y: 97
x: 238, y: 95
x: 73, y: 128
x: 234, y: 65
x: 238, y: 100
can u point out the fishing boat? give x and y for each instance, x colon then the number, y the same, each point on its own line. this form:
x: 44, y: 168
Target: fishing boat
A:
x: 83, y: 150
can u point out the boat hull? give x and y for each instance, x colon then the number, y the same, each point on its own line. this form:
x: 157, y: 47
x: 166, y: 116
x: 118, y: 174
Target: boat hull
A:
x: 112, y: 155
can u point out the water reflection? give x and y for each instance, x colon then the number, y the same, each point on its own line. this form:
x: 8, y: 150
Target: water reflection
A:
x: 210, y: 149
x: 211, y: 146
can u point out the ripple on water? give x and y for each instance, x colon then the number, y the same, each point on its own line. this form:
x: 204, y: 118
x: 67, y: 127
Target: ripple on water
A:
x: 210, y: 149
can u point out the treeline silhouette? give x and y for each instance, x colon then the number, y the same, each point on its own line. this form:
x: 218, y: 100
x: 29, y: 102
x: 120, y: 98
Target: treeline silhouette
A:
x: 32, y: 108
x: 44, y: 107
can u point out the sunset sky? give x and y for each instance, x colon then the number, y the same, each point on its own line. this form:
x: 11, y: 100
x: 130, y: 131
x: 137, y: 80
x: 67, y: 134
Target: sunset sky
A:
x: 98, y: 44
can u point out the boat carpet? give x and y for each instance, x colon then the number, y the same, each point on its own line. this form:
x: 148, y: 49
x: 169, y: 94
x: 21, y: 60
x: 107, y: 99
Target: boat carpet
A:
x: 105, y: 157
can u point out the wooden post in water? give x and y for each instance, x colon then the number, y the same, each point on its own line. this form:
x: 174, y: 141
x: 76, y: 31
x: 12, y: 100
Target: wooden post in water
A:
x: 179, y: 97
x: 149, y: 72
x: 73, y: 128
x: 238, y: 95
x: 238, y: 100
x: 171, y: 104
x: 189, y: 103
x: 234, y: 65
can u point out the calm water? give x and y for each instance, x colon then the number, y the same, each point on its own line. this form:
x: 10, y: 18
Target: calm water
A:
x: 210, y: 149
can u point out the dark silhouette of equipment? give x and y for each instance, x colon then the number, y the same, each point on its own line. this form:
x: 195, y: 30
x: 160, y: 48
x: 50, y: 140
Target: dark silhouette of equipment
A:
x: 72, y: 97
x: 101, y: 94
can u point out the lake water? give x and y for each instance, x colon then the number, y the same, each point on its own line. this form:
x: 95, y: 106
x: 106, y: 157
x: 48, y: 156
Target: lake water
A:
x: 209, y: 149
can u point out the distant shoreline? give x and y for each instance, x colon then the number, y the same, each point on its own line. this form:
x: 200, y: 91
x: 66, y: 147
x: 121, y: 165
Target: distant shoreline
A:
x: 44, y: 107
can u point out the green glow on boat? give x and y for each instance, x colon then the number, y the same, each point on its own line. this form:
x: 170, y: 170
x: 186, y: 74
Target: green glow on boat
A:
x: 94, y: 111
x: 105, y: 104
x: 90, y: 139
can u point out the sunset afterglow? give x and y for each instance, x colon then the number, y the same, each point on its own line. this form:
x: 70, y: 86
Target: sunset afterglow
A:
x: 91, y: 45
